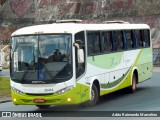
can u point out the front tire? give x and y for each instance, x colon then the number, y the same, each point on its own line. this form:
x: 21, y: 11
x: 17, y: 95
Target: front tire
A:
x: 94, y: 97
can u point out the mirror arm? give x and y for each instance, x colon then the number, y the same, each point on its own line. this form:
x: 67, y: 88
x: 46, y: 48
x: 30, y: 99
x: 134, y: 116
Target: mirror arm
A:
x: 76, y: 45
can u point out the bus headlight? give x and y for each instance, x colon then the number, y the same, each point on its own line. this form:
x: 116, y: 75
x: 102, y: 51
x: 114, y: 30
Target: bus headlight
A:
x: 17, y: 91
x: 62, y: 91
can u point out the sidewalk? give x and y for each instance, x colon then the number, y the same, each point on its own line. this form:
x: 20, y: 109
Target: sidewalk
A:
x: 5, y: 99
x: 156, y: 69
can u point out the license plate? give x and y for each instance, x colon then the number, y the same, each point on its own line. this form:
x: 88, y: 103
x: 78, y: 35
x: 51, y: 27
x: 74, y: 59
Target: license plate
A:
x: 39, y: 100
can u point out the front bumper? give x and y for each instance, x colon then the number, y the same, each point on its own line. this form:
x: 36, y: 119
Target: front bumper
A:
x: 53, y: 99
x: 74, y: 96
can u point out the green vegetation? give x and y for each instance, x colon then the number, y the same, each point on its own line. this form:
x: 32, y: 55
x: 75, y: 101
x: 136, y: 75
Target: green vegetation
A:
x: 5, y: 90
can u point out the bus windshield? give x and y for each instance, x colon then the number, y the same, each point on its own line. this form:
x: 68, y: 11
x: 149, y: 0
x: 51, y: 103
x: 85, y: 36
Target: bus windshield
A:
x: 41, y: 58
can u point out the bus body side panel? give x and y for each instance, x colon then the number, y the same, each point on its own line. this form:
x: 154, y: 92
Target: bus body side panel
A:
x: 114, y: 71
x: 145, y: 65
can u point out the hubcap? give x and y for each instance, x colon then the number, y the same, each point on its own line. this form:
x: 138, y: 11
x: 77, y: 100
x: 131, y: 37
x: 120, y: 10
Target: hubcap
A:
x: 92, y: 95
x: 134, y: 83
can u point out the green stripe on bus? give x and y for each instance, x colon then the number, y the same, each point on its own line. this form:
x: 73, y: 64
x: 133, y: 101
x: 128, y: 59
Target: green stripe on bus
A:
x: 115, y: 83
x: 122, y: 82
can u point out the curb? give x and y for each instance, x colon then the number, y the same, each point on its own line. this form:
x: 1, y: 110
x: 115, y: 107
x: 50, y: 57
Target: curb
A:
x: 4, y: 101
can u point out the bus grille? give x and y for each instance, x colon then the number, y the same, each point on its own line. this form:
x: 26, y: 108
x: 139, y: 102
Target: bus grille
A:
x: 39, y: 94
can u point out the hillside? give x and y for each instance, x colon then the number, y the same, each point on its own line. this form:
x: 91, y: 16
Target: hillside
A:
x: 18, y: 13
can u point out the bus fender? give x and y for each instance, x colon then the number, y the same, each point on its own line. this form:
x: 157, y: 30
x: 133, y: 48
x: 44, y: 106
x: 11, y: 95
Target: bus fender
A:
x: 91, y: 81
x: 133, y: 69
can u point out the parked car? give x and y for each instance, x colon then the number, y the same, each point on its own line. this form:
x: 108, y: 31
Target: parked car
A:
x: 0, y: 67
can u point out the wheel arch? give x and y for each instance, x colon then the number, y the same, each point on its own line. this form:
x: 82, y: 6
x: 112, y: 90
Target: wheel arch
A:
x: 96, y: 82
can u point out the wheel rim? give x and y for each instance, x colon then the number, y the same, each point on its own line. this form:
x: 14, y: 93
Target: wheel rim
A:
x: 134, y: 83
x: 92, y: 95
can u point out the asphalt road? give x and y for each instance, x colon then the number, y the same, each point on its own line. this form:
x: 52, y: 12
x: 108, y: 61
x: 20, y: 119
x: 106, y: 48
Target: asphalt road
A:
x: 146, y: 98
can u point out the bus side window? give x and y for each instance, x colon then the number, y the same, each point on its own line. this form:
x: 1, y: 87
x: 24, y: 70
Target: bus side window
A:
x: 106, y: 42
x: 146, y: 37
x: 139, y: 38
x: 93, y: 42
x: 80, y: 39
x: 90, y: 43
x: 135, y: 40
x: 97, y: 42
x: 129, y: 40
x: 119, y: 40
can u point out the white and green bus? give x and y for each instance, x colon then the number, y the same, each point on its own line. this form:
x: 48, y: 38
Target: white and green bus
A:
x: 73, y: 63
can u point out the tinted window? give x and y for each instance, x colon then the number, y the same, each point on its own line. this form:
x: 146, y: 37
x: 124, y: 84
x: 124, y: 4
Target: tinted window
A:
x: 93, y: 39
x: 139, y: 38
x: 90, y: 44
x: 129, y: 40
x: 106, y: 41
x: 146, y: 41
x: 97, y: 42
x: 119, y: 40
x: 80, y: 39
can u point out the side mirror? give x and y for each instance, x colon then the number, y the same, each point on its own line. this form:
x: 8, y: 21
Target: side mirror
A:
x: 80, y: 53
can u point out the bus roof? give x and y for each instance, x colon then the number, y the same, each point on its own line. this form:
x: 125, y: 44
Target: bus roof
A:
x: 74, y: 28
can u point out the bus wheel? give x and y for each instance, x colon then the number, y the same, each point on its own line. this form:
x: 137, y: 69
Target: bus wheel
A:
x: 94, y: 97
x: 133, y: 87
x: 43, y: 106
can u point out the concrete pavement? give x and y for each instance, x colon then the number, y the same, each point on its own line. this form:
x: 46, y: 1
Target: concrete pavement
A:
x: 156, y: 69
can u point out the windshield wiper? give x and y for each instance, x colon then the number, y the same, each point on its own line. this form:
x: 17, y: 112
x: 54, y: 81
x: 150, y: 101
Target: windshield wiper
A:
x: 26, y: 71
x: 48, y: 72
x: 24, y: 75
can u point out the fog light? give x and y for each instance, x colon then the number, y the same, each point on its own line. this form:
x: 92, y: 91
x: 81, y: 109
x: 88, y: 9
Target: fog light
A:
x: 14, y: 100
x: 68, y: 99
